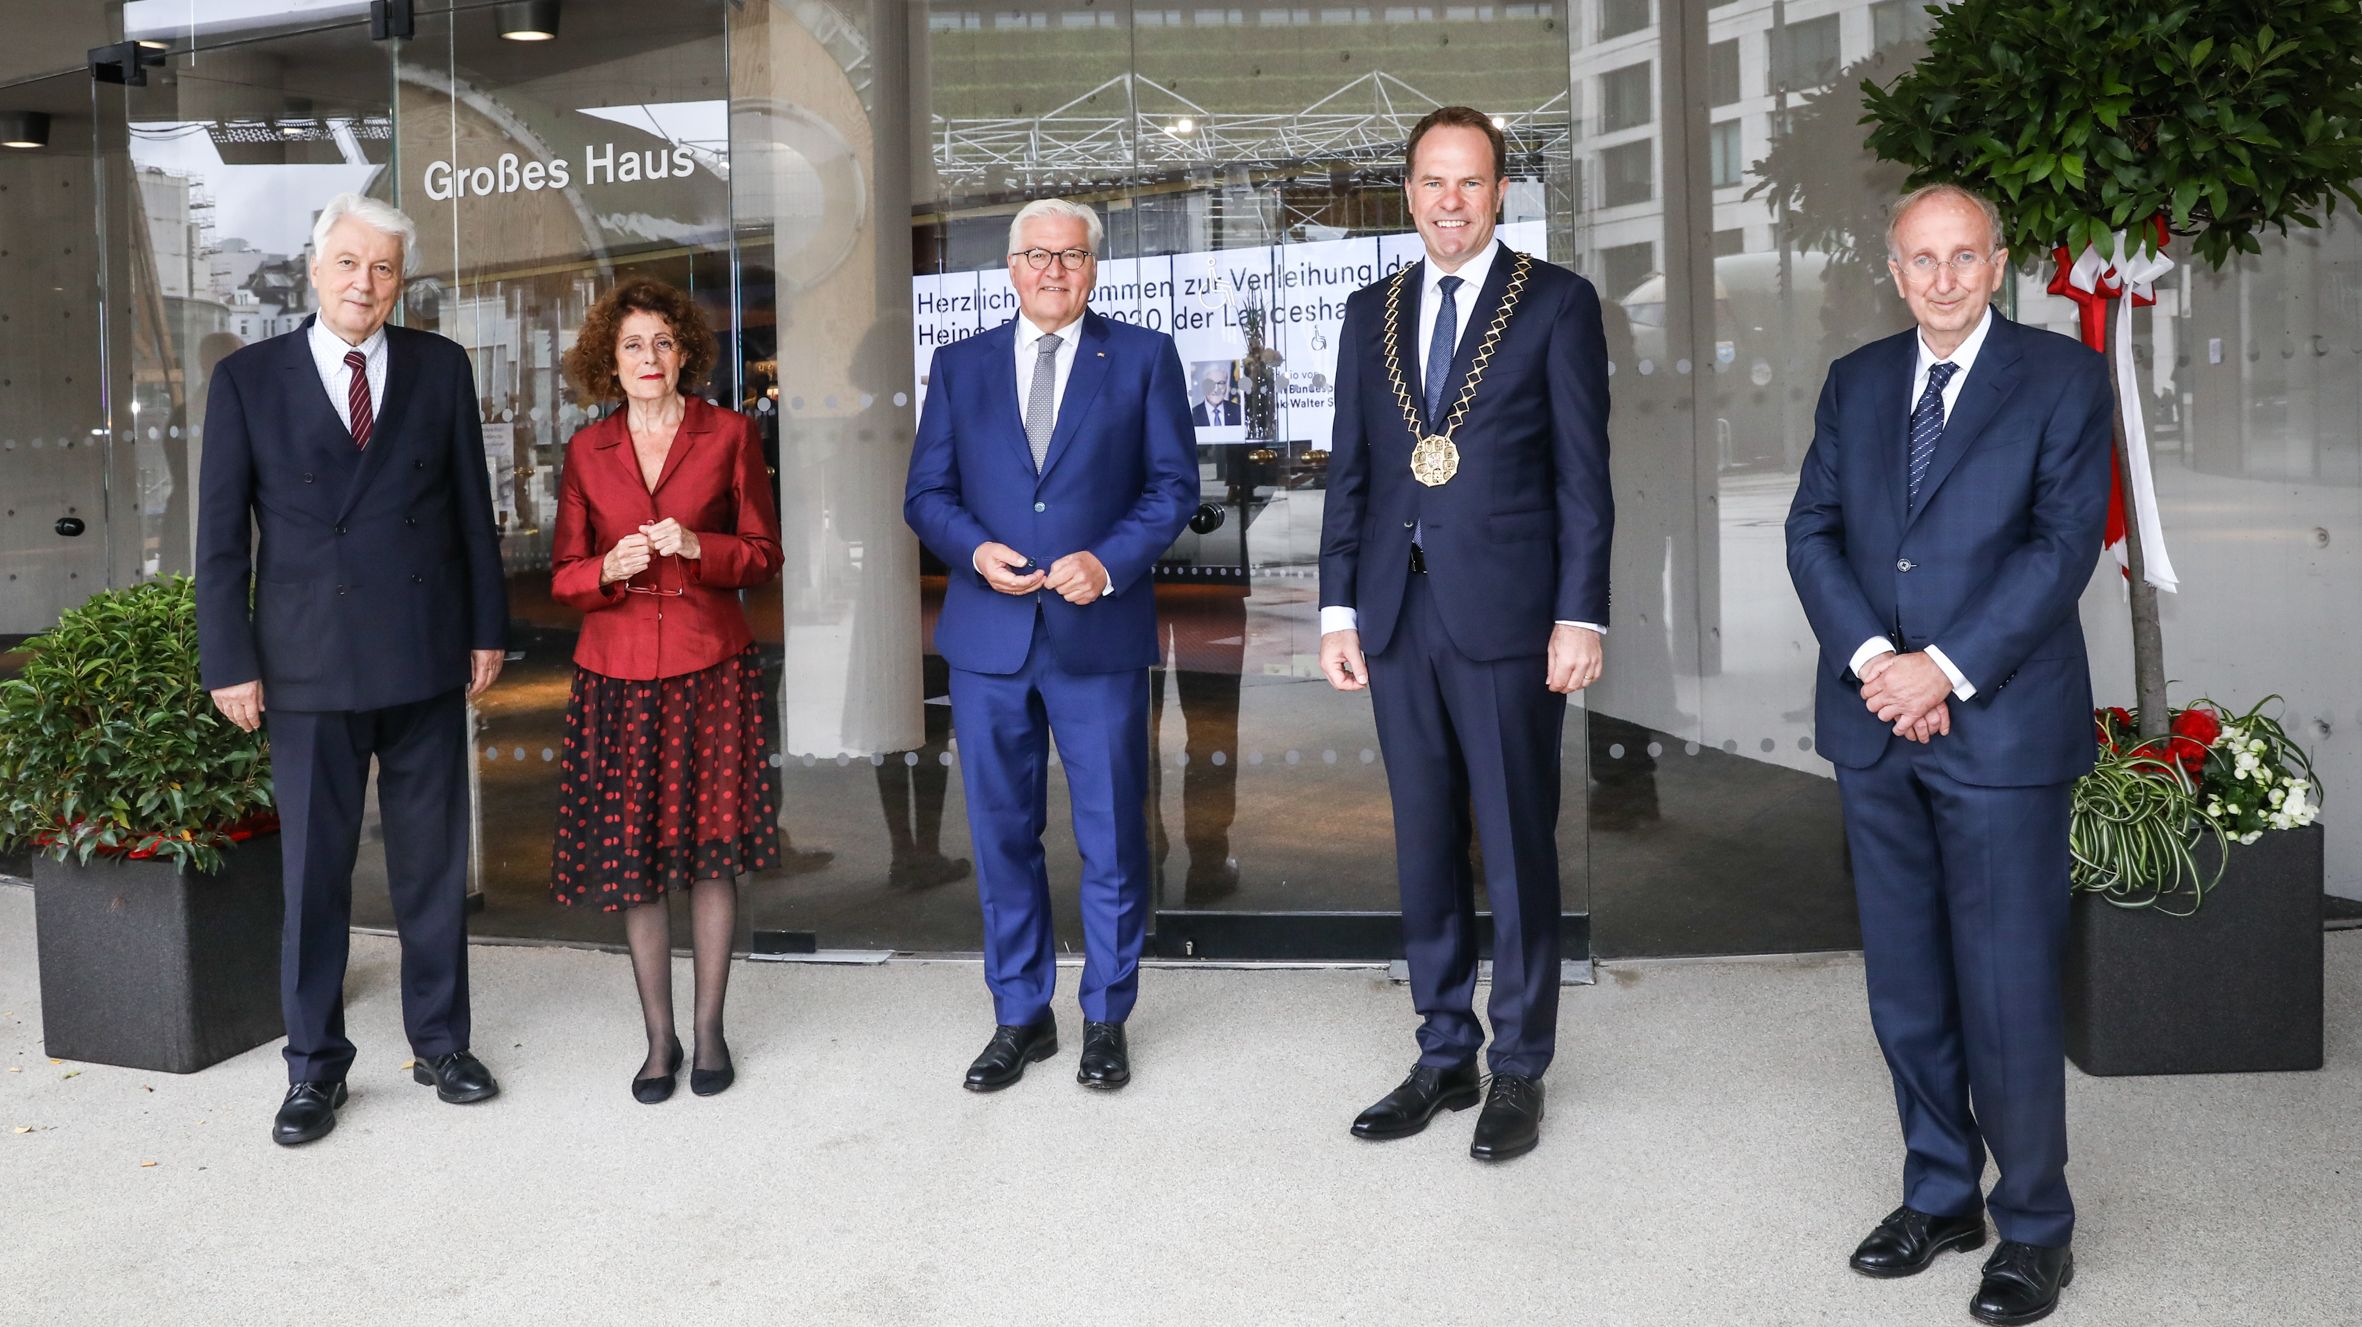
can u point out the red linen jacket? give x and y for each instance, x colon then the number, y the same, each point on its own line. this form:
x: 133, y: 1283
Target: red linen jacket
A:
x: 714, y: 484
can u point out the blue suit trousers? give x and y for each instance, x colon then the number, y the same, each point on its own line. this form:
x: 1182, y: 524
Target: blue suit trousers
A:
x: 1004, y: 723
x: 1963, y: 893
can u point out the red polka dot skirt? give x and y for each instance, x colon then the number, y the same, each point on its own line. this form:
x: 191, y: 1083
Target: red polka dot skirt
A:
x: 663, y: 783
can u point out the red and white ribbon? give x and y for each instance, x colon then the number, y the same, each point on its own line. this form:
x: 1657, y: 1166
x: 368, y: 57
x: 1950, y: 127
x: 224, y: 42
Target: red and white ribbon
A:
x: 2091, y: 280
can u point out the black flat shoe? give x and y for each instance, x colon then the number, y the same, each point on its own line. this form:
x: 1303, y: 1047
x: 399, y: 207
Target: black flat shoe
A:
x: 1909, y: 1239
x: 458, y: 1078
x: 1010, y: 1050
x: 308, y: 1113
x: 1512, y: 1120
x: 1407, y: 1109
x: 2022, y: 1283
x: 1107, y: 1061
x: 650, y: 1091
x: 714, y: 1082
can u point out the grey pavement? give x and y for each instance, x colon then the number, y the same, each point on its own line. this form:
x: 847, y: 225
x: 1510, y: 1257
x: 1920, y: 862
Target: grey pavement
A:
x: 1719, y: 1134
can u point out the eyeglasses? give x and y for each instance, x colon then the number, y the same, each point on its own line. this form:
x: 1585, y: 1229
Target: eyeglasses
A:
x: 1037, y: 259
x: 1923, y: 267
x: 665, y: 346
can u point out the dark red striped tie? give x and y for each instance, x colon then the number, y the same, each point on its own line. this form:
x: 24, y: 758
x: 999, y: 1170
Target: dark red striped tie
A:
x: 358, y: 397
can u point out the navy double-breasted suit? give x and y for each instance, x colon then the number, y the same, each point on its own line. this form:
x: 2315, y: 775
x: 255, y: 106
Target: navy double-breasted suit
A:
x: 376, y: 572
x: 1959, y: 846
x: 1516, y: 541
x: 1119, y: 480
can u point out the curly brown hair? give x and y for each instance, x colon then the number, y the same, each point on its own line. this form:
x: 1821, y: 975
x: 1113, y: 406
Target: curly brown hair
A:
x: 590, y: 362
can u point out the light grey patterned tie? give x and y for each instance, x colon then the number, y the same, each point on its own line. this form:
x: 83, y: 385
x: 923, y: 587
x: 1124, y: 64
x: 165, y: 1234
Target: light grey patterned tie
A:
x: 1041, y: 402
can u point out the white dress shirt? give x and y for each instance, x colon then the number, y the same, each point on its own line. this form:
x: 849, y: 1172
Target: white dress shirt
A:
x: 1029, y: 341
x: 328, y: 352
x: 1964, y: 359
x: 1339, y: 617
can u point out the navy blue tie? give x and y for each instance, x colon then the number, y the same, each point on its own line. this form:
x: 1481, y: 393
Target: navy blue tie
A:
x: 1439, y: 352
x: 1927, y: 422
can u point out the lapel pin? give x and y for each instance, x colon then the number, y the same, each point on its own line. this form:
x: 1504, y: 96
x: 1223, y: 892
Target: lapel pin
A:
x: 1102, y: 354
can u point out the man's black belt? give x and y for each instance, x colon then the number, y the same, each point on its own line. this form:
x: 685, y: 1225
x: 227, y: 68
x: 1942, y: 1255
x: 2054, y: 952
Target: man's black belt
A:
x: 1418, y: 561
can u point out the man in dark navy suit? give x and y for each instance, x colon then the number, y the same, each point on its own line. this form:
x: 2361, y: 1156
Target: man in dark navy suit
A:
x: 1054, y: 462
x: 355, y: 451
x: 1463, y: 580
x: 1945, y: 524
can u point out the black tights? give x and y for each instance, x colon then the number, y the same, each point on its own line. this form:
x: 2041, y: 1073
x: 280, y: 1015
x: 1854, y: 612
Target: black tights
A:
x: 713, y: 924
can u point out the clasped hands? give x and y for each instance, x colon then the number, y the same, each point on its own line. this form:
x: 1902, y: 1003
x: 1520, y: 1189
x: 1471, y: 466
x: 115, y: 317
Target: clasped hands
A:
x: 1908, y: 691
x: 632, y: 553
x: 1078, y: 578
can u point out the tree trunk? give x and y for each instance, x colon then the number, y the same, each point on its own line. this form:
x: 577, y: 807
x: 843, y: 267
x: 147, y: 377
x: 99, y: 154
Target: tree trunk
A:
x: 2148, y: 635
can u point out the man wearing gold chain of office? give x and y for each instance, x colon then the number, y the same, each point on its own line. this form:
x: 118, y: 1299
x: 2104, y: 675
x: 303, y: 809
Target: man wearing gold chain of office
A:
x: 1463, y: 582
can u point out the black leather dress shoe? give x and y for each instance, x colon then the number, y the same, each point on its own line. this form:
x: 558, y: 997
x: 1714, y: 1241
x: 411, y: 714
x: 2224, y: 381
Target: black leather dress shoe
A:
x: 1909, y: 1239
x: 458, y: 1078
x: 1107, y: 1062
x: 1406, y: 1110
x: 309, y: 1112
x: 1512, y: 1119
x: 1010, y: 1050
x: 2022, y: 1283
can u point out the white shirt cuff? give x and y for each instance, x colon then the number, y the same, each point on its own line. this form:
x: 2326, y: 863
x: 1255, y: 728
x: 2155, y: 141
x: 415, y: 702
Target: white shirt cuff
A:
x: 1961, y: 690
x: 1337, y: 617
x: 1871, y: 649
x: 1587, y: 626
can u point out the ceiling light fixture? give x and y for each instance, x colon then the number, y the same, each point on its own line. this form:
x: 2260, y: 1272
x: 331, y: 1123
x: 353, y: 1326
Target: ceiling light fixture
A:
x: 24, y: 129
x: 529, y: 20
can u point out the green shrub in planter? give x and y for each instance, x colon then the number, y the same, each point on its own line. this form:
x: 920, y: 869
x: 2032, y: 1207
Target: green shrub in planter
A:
x: 109, y: 747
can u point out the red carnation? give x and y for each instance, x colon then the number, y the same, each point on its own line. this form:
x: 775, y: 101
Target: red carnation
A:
x: 2199, y: 725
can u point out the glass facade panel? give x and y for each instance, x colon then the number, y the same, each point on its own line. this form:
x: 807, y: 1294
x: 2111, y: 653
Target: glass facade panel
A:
x: 60, y: 480
x: 835, y: 187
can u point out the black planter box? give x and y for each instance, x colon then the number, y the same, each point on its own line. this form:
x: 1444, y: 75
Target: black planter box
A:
x: 2235, y: 988
x: 148, y: 968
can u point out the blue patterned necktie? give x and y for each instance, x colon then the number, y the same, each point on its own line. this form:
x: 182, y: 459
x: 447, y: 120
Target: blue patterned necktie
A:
x: 1439, y: 352
x: 1927, y: 422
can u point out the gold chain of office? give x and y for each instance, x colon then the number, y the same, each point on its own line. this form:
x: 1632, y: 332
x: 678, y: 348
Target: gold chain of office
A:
x: 1434, y: 457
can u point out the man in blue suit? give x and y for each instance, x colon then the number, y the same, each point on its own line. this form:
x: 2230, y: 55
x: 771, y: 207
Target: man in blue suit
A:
x: 1947, y: 520
x: 1054, y: 463
x: 377, y: 607
x: 1463, y: 580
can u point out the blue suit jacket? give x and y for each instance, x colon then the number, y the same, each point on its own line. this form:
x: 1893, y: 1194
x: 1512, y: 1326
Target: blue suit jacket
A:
x: 378, y: 570
x: 1120, y: 481
x: 1988, y: 564
x: 1518, y: 539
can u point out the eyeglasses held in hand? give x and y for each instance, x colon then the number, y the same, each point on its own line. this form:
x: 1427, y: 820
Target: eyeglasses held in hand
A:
x: 1037, y: 259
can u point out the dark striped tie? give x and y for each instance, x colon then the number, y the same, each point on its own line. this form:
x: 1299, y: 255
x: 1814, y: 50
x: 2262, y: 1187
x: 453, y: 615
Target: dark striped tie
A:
x: 1927, y: 422
x: 357, y: 398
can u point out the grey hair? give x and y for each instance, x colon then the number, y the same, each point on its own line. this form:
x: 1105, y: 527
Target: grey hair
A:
x: 1056, y: 207
x: 378, y: 216
x: 1903, y: 205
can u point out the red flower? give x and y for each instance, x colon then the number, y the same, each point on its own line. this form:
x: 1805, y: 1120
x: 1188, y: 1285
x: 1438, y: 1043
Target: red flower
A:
x: 2198, y: 725
x: 2190, y: 752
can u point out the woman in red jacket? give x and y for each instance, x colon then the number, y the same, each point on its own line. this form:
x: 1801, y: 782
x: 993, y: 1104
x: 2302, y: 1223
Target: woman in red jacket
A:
x: 664, y: 514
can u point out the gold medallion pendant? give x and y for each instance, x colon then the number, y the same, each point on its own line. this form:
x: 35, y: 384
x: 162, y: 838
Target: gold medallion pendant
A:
x: 1434, y: 460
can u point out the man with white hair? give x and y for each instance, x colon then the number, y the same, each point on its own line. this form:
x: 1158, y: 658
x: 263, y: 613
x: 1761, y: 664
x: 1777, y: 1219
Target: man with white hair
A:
x: 371, y: 611
x: 1054, y: 463
x: 1946, y: 521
